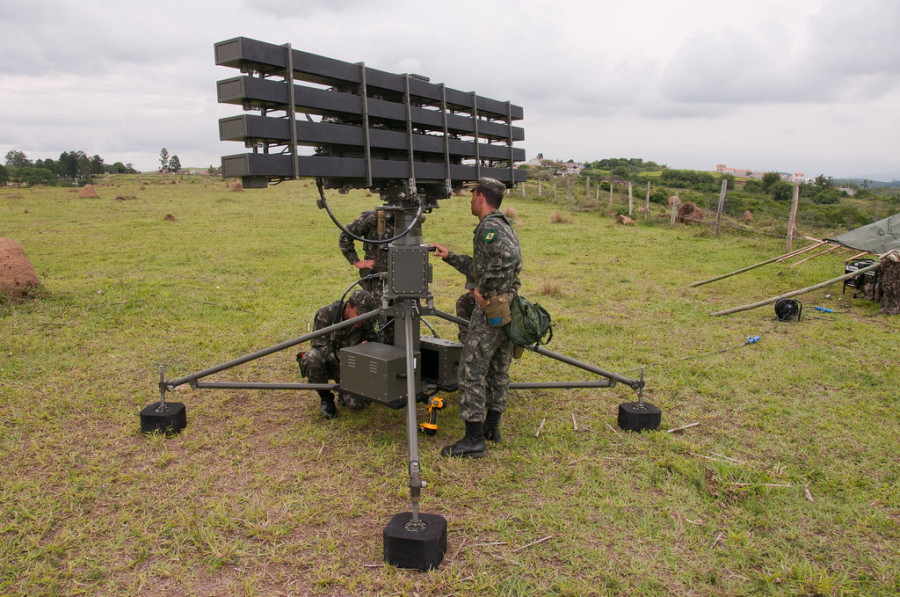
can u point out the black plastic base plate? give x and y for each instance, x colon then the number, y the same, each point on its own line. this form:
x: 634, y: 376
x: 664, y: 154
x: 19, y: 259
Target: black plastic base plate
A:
x: 419, y: 550
x: 637, y: 416
x: 172, y: 418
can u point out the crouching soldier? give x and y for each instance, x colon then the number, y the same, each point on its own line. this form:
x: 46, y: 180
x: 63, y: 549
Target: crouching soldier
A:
x: 320, y: 363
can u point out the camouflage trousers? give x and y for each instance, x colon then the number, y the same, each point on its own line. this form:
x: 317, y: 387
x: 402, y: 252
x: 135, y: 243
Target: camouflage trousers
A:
x: 320, y: 367
x: 483, y: 372
x: 465, y: 305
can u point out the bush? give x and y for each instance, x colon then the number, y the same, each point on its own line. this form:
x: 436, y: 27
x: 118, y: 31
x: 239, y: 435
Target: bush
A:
x: 782, y: 191
x: 687, y: 178
x: 753, y: 186
x: 31, y: 176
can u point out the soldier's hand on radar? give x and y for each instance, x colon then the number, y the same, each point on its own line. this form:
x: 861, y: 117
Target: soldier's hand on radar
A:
x: 365, y: 263
x: 440, y: 250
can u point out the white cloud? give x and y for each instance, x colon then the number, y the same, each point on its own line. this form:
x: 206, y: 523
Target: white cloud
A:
x: 689, y: 84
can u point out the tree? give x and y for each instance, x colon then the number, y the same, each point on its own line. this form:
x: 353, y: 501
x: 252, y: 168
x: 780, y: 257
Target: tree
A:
x: 768, y: 179
x: 96, y: 165
x: 730, y: 179
x: 31, y: 176
x: 68, y: 165
x: 620, y: 173
x: 4, y: 175
x: 84, y: 166
x: 782, y: 191
x: 119, y: 168
x: 174, y: 164
x: 17, y: 159
x: 164, y: 160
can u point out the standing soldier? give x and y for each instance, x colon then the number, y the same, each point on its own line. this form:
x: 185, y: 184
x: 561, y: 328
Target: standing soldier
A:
x: 370, y: 225
x: 321, y: 363
x: 487, y: 351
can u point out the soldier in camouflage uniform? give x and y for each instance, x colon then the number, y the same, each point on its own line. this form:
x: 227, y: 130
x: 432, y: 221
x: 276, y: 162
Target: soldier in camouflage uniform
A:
x: 320, y: 363
x: 487, y: 351
x: 371, y: 225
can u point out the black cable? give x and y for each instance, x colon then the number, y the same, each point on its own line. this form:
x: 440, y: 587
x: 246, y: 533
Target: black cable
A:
x: 323, y: 203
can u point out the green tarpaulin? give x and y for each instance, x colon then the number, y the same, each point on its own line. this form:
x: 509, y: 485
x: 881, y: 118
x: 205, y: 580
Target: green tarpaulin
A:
x: 878, y: 237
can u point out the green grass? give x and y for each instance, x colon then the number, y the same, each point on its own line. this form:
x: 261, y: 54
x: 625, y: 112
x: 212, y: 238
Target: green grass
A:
x: 260, y: 496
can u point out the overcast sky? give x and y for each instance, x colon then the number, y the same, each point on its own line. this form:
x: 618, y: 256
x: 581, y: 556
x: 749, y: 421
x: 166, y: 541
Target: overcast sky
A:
x: 807, y: 86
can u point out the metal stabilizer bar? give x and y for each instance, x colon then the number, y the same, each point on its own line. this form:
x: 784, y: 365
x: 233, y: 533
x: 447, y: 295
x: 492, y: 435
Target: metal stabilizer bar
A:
x: 634, y: 384
x: 252, y: 385
x: 165, y: 386
x: 612, y: 378
x: 415, y: 480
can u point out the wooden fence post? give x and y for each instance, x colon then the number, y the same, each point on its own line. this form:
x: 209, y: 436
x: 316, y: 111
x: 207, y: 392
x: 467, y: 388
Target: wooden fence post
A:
x: 555, y: 191
x: 647, y: 201
x: 523, y: 190
x: 674, y: 209
x: 722, y: 205
x: 540, y: 188
x: 610, y: 190
x: 630, y: 200
x: 793, y: 218
x: 569, y: 187
x: 587, y: 190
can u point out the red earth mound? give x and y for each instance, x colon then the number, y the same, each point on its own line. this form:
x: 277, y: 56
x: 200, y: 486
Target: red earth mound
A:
x: 17, y: 275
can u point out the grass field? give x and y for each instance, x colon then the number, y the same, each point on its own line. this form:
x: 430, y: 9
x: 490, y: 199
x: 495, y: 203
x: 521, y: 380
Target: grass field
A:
x: 788, y: 485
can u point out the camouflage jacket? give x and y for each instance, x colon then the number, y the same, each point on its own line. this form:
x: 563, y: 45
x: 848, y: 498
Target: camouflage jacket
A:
x: 497, y: 257
x: 333, y: 342
x: 366, y: 226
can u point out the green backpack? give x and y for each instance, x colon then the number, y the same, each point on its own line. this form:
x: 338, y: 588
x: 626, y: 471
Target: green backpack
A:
x: 529, y: 323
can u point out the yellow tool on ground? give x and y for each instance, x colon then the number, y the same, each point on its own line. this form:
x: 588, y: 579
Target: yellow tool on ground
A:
x: 434, y: 404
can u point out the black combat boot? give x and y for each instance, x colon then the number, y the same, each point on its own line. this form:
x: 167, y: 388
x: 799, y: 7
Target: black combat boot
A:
x: 329, y: 410
x: 492, y: 426
x: 470, y: 446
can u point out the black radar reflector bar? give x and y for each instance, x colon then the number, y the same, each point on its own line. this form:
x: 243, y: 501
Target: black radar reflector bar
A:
x: 359, y: 127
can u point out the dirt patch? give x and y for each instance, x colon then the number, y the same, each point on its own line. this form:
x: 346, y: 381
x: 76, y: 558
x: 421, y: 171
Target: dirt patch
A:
x: 689, y: 212
x: 17, y: 275
x: 623, y: 219
x: 88, y: 192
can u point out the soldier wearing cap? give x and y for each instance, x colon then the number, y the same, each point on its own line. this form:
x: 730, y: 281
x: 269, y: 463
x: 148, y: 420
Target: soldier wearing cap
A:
x: 487, y: 352
x: 321, y: 363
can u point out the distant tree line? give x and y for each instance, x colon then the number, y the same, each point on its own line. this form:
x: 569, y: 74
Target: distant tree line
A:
x: 72, y: 166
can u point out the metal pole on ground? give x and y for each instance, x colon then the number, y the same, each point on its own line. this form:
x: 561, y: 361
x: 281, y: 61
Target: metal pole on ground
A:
x: 796, y: 292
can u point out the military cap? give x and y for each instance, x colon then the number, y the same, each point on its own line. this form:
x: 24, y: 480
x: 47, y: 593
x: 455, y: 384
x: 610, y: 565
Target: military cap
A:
x: 363, y: 301
x: 492, y: 185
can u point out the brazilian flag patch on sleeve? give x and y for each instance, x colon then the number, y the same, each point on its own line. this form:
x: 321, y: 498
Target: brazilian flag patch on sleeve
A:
x: 488, y: 237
